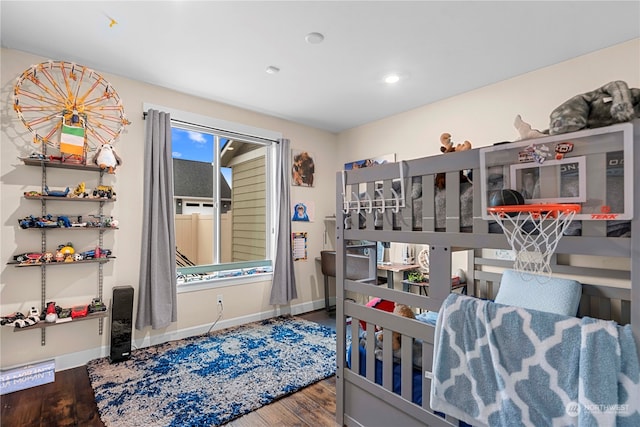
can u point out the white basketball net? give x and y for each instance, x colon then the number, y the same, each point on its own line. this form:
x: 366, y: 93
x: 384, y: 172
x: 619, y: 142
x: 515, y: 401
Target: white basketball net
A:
x: 535, y: 244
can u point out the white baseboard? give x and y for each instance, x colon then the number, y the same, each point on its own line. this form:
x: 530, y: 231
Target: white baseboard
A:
x: 72, y: 360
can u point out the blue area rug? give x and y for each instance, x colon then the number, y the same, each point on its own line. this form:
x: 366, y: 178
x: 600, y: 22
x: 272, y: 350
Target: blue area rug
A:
x: 211, y: 379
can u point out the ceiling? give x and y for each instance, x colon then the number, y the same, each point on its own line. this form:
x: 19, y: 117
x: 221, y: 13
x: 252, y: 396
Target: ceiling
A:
x: 220, y: 50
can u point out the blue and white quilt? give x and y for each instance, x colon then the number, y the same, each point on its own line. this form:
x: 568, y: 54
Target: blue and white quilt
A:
x: 502, y: 365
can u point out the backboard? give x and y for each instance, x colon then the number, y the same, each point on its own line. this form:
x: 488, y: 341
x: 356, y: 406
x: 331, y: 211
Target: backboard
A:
x: 592, y: 168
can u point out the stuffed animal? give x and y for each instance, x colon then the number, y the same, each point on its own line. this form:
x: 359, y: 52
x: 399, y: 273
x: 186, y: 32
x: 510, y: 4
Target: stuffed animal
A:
x: 524, y: 129
x: 52, y: 314
x: 400, y: 310
x: 447, y: 146
x: 607, y: 105
x: 106, y: 158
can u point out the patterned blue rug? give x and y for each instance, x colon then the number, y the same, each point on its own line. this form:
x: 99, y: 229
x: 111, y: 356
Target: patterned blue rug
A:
x: 211, y: 379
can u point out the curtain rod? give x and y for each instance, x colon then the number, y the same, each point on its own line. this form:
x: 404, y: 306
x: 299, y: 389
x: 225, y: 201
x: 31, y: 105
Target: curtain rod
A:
x: 240, y: 135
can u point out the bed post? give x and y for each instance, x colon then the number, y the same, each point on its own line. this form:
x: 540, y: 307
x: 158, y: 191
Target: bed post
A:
x: 440, y: 278
x: 635, y: 238
x: 340, y: 327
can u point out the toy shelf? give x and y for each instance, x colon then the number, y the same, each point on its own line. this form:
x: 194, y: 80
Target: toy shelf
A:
x: 45, y: 164
x: 71, y: 228
x: 84, y: 261
x: 61, y: 165
x: 70, y: 199
x: 42, y: 324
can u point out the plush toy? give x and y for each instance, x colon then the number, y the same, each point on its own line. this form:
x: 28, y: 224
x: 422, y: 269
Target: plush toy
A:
x: 52, y: 314
x: 107, y: 158
x: 607, y: 105
x: 524, y: 129
x: 447, y: 146
x: 400, y: 310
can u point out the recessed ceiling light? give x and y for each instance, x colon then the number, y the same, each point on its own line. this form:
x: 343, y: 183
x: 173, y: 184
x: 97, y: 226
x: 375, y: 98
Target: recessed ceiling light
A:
x: 272, y: 69
x: 392, y: 78
x: 314, y: 38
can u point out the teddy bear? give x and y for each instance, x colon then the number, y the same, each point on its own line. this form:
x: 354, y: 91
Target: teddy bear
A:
x: 396, y: 339
x: 106, y: 158
x: 612, y: 103
x: 447, y: 146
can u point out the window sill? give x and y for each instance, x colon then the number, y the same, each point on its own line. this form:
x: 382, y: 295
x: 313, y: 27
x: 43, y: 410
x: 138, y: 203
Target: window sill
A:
x: 201, y: 285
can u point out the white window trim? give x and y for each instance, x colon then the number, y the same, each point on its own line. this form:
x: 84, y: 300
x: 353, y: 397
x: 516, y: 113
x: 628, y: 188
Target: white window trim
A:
x: 222, y: 283
x: 215, y: 123
x: 242, y: 129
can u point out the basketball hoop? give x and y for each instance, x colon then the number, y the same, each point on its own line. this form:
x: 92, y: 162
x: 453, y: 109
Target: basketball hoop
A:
x: 534, y: 245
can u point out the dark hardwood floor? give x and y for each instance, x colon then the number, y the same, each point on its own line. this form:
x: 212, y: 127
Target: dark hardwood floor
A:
x: 69, y: 401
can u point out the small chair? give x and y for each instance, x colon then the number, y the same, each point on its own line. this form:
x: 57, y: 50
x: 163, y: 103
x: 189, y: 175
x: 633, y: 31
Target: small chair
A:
x: 328, y: 266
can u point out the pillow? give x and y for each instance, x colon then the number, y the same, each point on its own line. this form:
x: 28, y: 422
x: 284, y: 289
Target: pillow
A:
x: 553, y: 295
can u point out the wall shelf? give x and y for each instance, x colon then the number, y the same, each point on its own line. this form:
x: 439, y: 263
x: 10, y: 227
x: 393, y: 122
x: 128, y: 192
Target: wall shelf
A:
x: 84, y: 261
x: 60, y: 165
x: 44, y: 165
x: 42, y: 324
x: 70, y: 199
x: 71, y: 228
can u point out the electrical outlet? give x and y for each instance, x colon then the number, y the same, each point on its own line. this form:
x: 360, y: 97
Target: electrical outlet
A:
x: 220, y: 300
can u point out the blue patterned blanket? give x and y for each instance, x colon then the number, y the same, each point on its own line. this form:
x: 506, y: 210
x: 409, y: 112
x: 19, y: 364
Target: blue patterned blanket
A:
x: 501, y: 365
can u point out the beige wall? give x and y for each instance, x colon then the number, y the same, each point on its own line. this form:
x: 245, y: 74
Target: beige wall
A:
x: 70, y: 285
x: 482, y: 116
x: 485, y: 116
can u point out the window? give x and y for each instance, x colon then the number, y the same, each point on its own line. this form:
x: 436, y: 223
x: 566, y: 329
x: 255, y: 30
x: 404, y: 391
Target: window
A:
x: 223, y: 184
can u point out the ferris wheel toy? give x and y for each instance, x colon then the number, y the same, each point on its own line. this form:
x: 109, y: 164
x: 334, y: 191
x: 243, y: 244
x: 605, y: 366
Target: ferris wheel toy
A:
x: 68, y: 108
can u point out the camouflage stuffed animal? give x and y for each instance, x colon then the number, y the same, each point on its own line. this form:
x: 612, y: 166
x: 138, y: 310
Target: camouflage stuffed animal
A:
x: 612, y: 103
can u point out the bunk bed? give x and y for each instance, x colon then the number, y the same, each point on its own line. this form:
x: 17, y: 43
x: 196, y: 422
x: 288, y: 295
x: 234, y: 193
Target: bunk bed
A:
x: 379, y: 386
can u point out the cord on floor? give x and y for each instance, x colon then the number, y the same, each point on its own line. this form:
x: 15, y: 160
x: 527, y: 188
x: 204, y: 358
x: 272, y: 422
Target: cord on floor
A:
x: 220, y: 311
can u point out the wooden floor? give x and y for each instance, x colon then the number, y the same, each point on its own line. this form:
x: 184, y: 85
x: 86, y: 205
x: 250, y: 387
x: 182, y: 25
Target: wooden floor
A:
x: 69, y: 401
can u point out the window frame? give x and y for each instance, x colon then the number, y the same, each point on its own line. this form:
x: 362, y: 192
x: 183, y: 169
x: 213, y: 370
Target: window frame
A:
x: 222, y: 128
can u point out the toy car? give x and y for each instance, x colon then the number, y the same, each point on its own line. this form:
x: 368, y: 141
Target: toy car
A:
x: 46, y: 222
x: 104, y: 192
x: 27, y: 222
x: 64, y: 313
x: 79, y: 311
x: 8, y: 320
x: 28, y: 257
x: 97, y: 306
x: 37, y: 156
x: 96, y: 253
x: 56, y: 193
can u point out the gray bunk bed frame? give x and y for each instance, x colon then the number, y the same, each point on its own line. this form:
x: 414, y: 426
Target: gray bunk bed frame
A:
x: 362, y: 402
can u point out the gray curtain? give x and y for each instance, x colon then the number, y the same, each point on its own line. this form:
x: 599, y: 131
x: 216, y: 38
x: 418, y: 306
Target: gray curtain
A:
x: 283, y: 289
x: 157, y: 299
